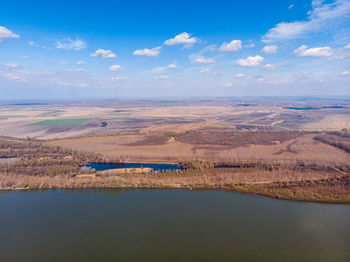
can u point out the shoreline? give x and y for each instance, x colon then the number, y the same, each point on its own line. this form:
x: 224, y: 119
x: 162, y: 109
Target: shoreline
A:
x: 318, y: 191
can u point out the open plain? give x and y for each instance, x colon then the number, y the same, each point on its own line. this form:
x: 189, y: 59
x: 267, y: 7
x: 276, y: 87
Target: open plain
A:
x: 250, y: 145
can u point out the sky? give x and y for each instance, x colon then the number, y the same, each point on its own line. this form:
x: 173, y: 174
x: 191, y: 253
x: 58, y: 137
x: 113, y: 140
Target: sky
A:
x: 194, y: 48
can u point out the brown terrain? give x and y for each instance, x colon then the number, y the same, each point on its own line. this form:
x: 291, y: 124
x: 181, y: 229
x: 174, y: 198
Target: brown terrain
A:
x: 291, y: 149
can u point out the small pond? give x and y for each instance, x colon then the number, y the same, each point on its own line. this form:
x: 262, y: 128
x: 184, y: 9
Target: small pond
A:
x: 155, y: 167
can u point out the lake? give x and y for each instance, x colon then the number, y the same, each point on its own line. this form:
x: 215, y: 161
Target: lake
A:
x: 155, y: 167
x: 168, y: 225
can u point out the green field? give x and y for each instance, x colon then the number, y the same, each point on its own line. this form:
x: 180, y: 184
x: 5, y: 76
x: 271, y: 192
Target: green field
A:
x: 285, y: 123
x: 63, y: 122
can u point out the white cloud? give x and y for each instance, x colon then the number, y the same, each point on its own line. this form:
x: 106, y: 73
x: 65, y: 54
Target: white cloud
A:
x: 6, y: 33
x: 183, y: 38
x: 323, y: 15
x: 290, y: 6
x: 148, y: 52
x: 269, y: 49
x: 251, y: 61
x: 345, y: 73
x: 269, y: 67
x: 347, y: 46
x: 228, y: 85
x: 115, y: 68
x: 10, y: 65
x: 172, y: 66
x: 161, y: 77
x: 313, y: 52
x: 316, y: 3
x: 203, y: 60
x: 102, y: 53
x: 204, y: 70
x: 71, y: 44
x: 120, y: 78
x: 234, y: 45
x: 81, y: 63
x: 240, y: 75
x: 14, y: 77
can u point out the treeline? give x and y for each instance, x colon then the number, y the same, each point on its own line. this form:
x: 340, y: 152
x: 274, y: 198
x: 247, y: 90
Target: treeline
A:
x: 36, y: 159
x: 34, y: 150
x: 339, y: 140
x: 260, y: 165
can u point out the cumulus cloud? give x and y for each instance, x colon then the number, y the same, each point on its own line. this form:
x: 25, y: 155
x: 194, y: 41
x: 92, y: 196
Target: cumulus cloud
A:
x: 323, y: 15
x: 290, y: 6
x: 240, y: 75
x: 234, y: 45
x: 203, y: 60
x: 102, y: 53
x: 6, y: 33
x: 81, y: 63
x: 228, y: 85
x: 269, y: 49
x: 347, y: 46
x: 161, y: 77
x: 172, y: 66
x: 115, y: 68
x: 70, y: 44
x: 303, y: 51
x: 183, y: 38
x: 148, y: 52
x: 251, y: 61
x: 345, y: 73
x: 269, y: 67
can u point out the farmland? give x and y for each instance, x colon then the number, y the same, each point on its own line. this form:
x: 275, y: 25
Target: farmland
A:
x: 268, y: 147
x: 64, y: 122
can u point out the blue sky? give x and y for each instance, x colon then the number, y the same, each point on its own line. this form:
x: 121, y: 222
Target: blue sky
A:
x: 110, y: 49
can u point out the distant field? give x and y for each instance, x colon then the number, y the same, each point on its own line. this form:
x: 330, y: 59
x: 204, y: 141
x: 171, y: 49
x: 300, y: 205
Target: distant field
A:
x: 64, y: 122
x: 171, y: 116
x: 284, y: 123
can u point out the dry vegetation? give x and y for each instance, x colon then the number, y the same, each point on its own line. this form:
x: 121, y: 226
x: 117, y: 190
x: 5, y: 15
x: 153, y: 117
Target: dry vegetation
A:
x: 266, y: 146
x: 339, y: 140
x: 34, y: 159
x: 313, y: 179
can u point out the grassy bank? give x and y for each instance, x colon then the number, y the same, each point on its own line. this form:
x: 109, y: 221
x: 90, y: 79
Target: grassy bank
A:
x: 328, y: 190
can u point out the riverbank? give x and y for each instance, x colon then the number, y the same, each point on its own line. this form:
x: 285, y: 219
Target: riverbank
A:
x: 327, y: 189
x: 29, y: 164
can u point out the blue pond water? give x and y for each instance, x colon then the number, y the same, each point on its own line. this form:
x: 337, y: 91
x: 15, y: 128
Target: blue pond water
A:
x: 155, y: 167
